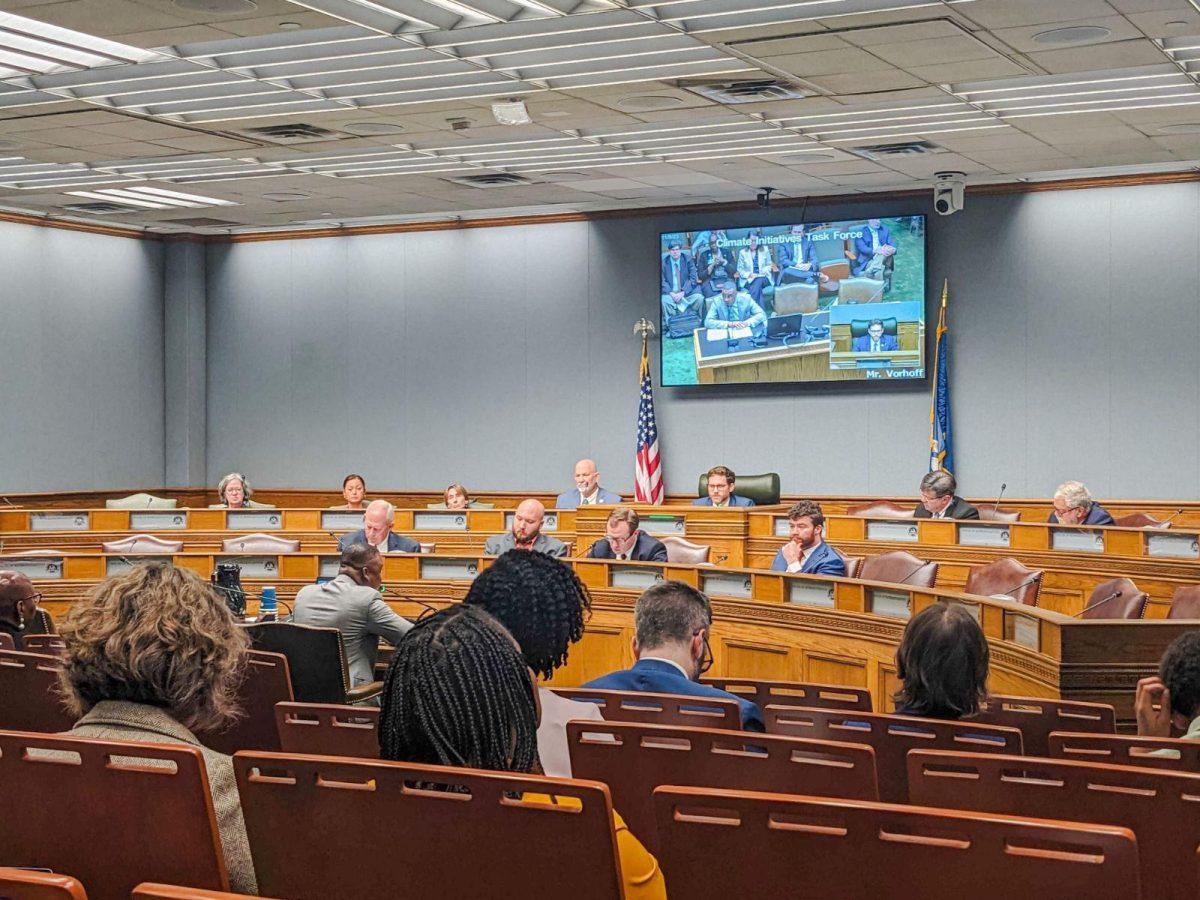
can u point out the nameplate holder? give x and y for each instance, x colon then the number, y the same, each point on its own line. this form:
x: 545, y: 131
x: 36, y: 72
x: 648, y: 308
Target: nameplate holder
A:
x: 811, y: 593
x: 984, y: 535
x: 329, y: 566
x: 663, y: 524
x: 157, y: 520
x: 783, y: 526
x: 342, y: 520
x: 883, y: 602
x: 636, y: 577
x: 1077, y: 540
x: 892, y: 531
x: 253, y: 519
x: 441, y: 521
x: 1023, y: 630
x: 37, y: 568
x: 1176, y: 546
x: 444, y: 569
x: 254, y: 566
x: 549, y: 522
x: 59, y: 521
x: 726, y: 584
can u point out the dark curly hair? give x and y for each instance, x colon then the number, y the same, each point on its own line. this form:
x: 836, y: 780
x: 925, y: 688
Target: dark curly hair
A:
x: 943, y: 662
x: 540, y: 600
x: 1180, y: 672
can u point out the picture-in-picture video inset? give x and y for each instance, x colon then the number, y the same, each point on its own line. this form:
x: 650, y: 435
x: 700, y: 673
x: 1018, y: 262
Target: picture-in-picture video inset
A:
x: 819, y: 301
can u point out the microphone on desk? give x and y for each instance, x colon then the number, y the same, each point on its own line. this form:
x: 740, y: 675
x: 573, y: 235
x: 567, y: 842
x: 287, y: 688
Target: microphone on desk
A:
x: 384, y: 589
x: 1113, y: 596
x: 1003, y: 488
x: 911, y: 574
x: 9, y: 502
x: 1167, y: 521
x: 1011, y: 591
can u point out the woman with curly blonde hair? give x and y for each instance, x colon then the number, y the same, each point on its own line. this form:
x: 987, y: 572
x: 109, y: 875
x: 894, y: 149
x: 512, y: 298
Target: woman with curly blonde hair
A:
x: 154, y: 655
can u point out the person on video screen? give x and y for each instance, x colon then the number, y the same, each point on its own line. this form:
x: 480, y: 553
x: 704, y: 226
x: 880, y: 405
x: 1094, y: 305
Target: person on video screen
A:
x: 875, y: 341
x: 716, y: 266
x: 798, y: 260
x: 873, y: 248
x: 680, y: 293
x: 735, y: 309
x: 755, y: 268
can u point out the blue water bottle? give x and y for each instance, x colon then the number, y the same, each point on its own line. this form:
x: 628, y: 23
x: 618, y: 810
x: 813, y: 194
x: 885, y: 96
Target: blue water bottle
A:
x: 268, y: 606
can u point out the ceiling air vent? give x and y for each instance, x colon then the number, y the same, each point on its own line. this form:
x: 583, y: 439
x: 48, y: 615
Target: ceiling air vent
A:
x: 744, y: 91
x: 292, y: 133
x: 489, y: 180
x: 100, y: 208
x: 900, y: 148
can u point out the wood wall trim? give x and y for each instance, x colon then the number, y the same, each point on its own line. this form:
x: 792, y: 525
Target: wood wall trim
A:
x: 65, y: 225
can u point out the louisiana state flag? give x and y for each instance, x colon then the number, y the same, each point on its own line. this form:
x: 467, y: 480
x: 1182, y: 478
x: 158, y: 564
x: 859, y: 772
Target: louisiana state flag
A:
x: 941, y: 447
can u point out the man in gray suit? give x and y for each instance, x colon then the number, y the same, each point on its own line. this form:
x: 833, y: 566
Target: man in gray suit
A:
x: 352, y: 603
x: 526, y: 533
x: 377, y: 531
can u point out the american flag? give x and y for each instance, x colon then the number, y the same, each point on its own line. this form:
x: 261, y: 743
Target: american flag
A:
x: 647, y: 476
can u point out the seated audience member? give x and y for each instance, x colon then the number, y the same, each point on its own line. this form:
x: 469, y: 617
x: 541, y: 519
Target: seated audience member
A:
x: 351, y: 603
x: 938, y: 500
x: 680, y: 293
x: 377, y: 531
x: 624, y: 540
x: 875, y: 341
x: 456, y: 497
x: 354, y: 488
x: 235, y: 493
x: 716, y: 265
x: 872, y: 250
x: 720, y: 490
x: 155, y: 655
x: 526, y: 533
x: 1073, y: 505
x: 458, y: 693
x: 671, y: 624
x: 1171, y: 699
x: 798, y: 260
x: 943, y: 661
x: 807, y: 551
x: 735, y: 309
x: 755, y: 268
x: 587, y: 490
x: 544, y: 605
x: 18, y: 607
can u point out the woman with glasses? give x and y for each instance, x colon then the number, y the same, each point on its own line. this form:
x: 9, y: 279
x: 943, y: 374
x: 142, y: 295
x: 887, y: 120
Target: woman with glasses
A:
x: 19, y: 612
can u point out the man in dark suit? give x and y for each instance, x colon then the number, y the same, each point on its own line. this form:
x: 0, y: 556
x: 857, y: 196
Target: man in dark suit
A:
x: 872, y: 250
x: 671, y: 624
x: 798, y: 260
x: 625, y: 541
x: 807, y: 551
x: 720, y: 489
x: 875, y: 341
x: 377, y: 531
x: 680, y: 293
x: 1073, y: 505
x: 938, y: 500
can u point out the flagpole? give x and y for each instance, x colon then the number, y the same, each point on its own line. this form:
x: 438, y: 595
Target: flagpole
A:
x: 936, y: 379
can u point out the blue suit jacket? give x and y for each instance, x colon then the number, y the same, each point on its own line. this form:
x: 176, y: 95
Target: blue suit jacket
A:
x: 397, y: 543
x: 687, y: 274
x: 645, y: 549
x: 886, y: 342
x: 862, y: 245
x: 572, y: 499
x: 1097, y: 515
x: 824, y: 560
x: 734, y: 500
x: 655, y: 677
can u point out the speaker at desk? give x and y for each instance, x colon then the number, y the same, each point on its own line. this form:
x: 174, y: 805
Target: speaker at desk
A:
x: 859, y: 327
x: 762, y: 489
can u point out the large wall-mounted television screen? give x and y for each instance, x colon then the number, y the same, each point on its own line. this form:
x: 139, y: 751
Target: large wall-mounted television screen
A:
x: 818, y: 301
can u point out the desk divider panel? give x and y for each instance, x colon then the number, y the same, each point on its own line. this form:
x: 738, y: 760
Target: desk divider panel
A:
x: 35, y: 567
x: 892, y: 530
x: 158, y: 520
x: 448, y: 569
x: 811, y: 593
x: 1076, y: 539
x: 1176, y: 546
x: 60, y: 520
x: 253, y: 519
x: 726, y: 584
x: 984, y: 535
x: 635, y: 577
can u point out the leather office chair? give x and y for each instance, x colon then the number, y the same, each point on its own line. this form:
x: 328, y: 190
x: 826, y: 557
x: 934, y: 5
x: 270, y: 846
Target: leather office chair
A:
x: 858, y: 328
x: 1008, y: 578
x: 142, y: 543
x: 1117, y: 598
x: 139, y: 501
x: 991, y: 514
x: 853, y: 565
x: 1139, y: 520
x: 881, y: 509
x: 681, y: 550
x: 25, y: 884
x: 860, y: 290
x: 796, y: 297
x: 762, y: 489
x: 259, y: 543
x: 899, y: 567
x: 428, y: 547
x: 832, y: 258
x: 316, y: 661
x: 1185, y: 602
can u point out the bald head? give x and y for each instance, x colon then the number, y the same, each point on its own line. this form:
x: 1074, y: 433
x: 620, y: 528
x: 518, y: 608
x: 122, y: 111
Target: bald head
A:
x: 16, y: 591
x: 527, y: 522
x: 586, y: 477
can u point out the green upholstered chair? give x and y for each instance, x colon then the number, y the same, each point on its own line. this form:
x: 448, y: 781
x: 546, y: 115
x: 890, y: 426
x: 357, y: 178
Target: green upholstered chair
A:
x: 762, y: 489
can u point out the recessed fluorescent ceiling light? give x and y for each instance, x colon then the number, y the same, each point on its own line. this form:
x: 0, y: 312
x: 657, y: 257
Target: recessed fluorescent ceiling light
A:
x: 1073, y: 34
x: 512, y: 112
x: 151, y: 197
x: 30, y: 47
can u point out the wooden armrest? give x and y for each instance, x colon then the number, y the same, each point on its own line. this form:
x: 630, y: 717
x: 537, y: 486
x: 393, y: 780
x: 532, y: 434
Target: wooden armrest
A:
x: 364, y: 692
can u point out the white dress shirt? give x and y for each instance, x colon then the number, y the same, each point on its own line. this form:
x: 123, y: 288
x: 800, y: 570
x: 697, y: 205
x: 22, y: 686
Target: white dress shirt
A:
x: 799, y: 564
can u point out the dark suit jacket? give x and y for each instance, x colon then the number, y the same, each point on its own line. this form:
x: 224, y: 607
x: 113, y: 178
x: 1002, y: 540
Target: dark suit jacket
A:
x: 734, y: 500
x: 687, y: 274
x: 823, y: 561
x: 721, y: 272
x: 958, y: 509
x: 862, y: 245
x: 1097, y: 515
x: 647, y: 549
x: 397, y: 543
x: 886, y: 342
x: 655, y: 677
x: 789, y: 257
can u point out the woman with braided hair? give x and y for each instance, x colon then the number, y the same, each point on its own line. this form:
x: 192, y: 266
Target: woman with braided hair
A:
x: 458, y: 693
x: 543, y: 604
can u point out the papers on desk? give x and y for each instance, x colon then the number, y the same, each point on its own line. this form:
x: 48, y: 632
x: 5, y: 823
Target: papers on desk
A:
x: 728, y: 334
